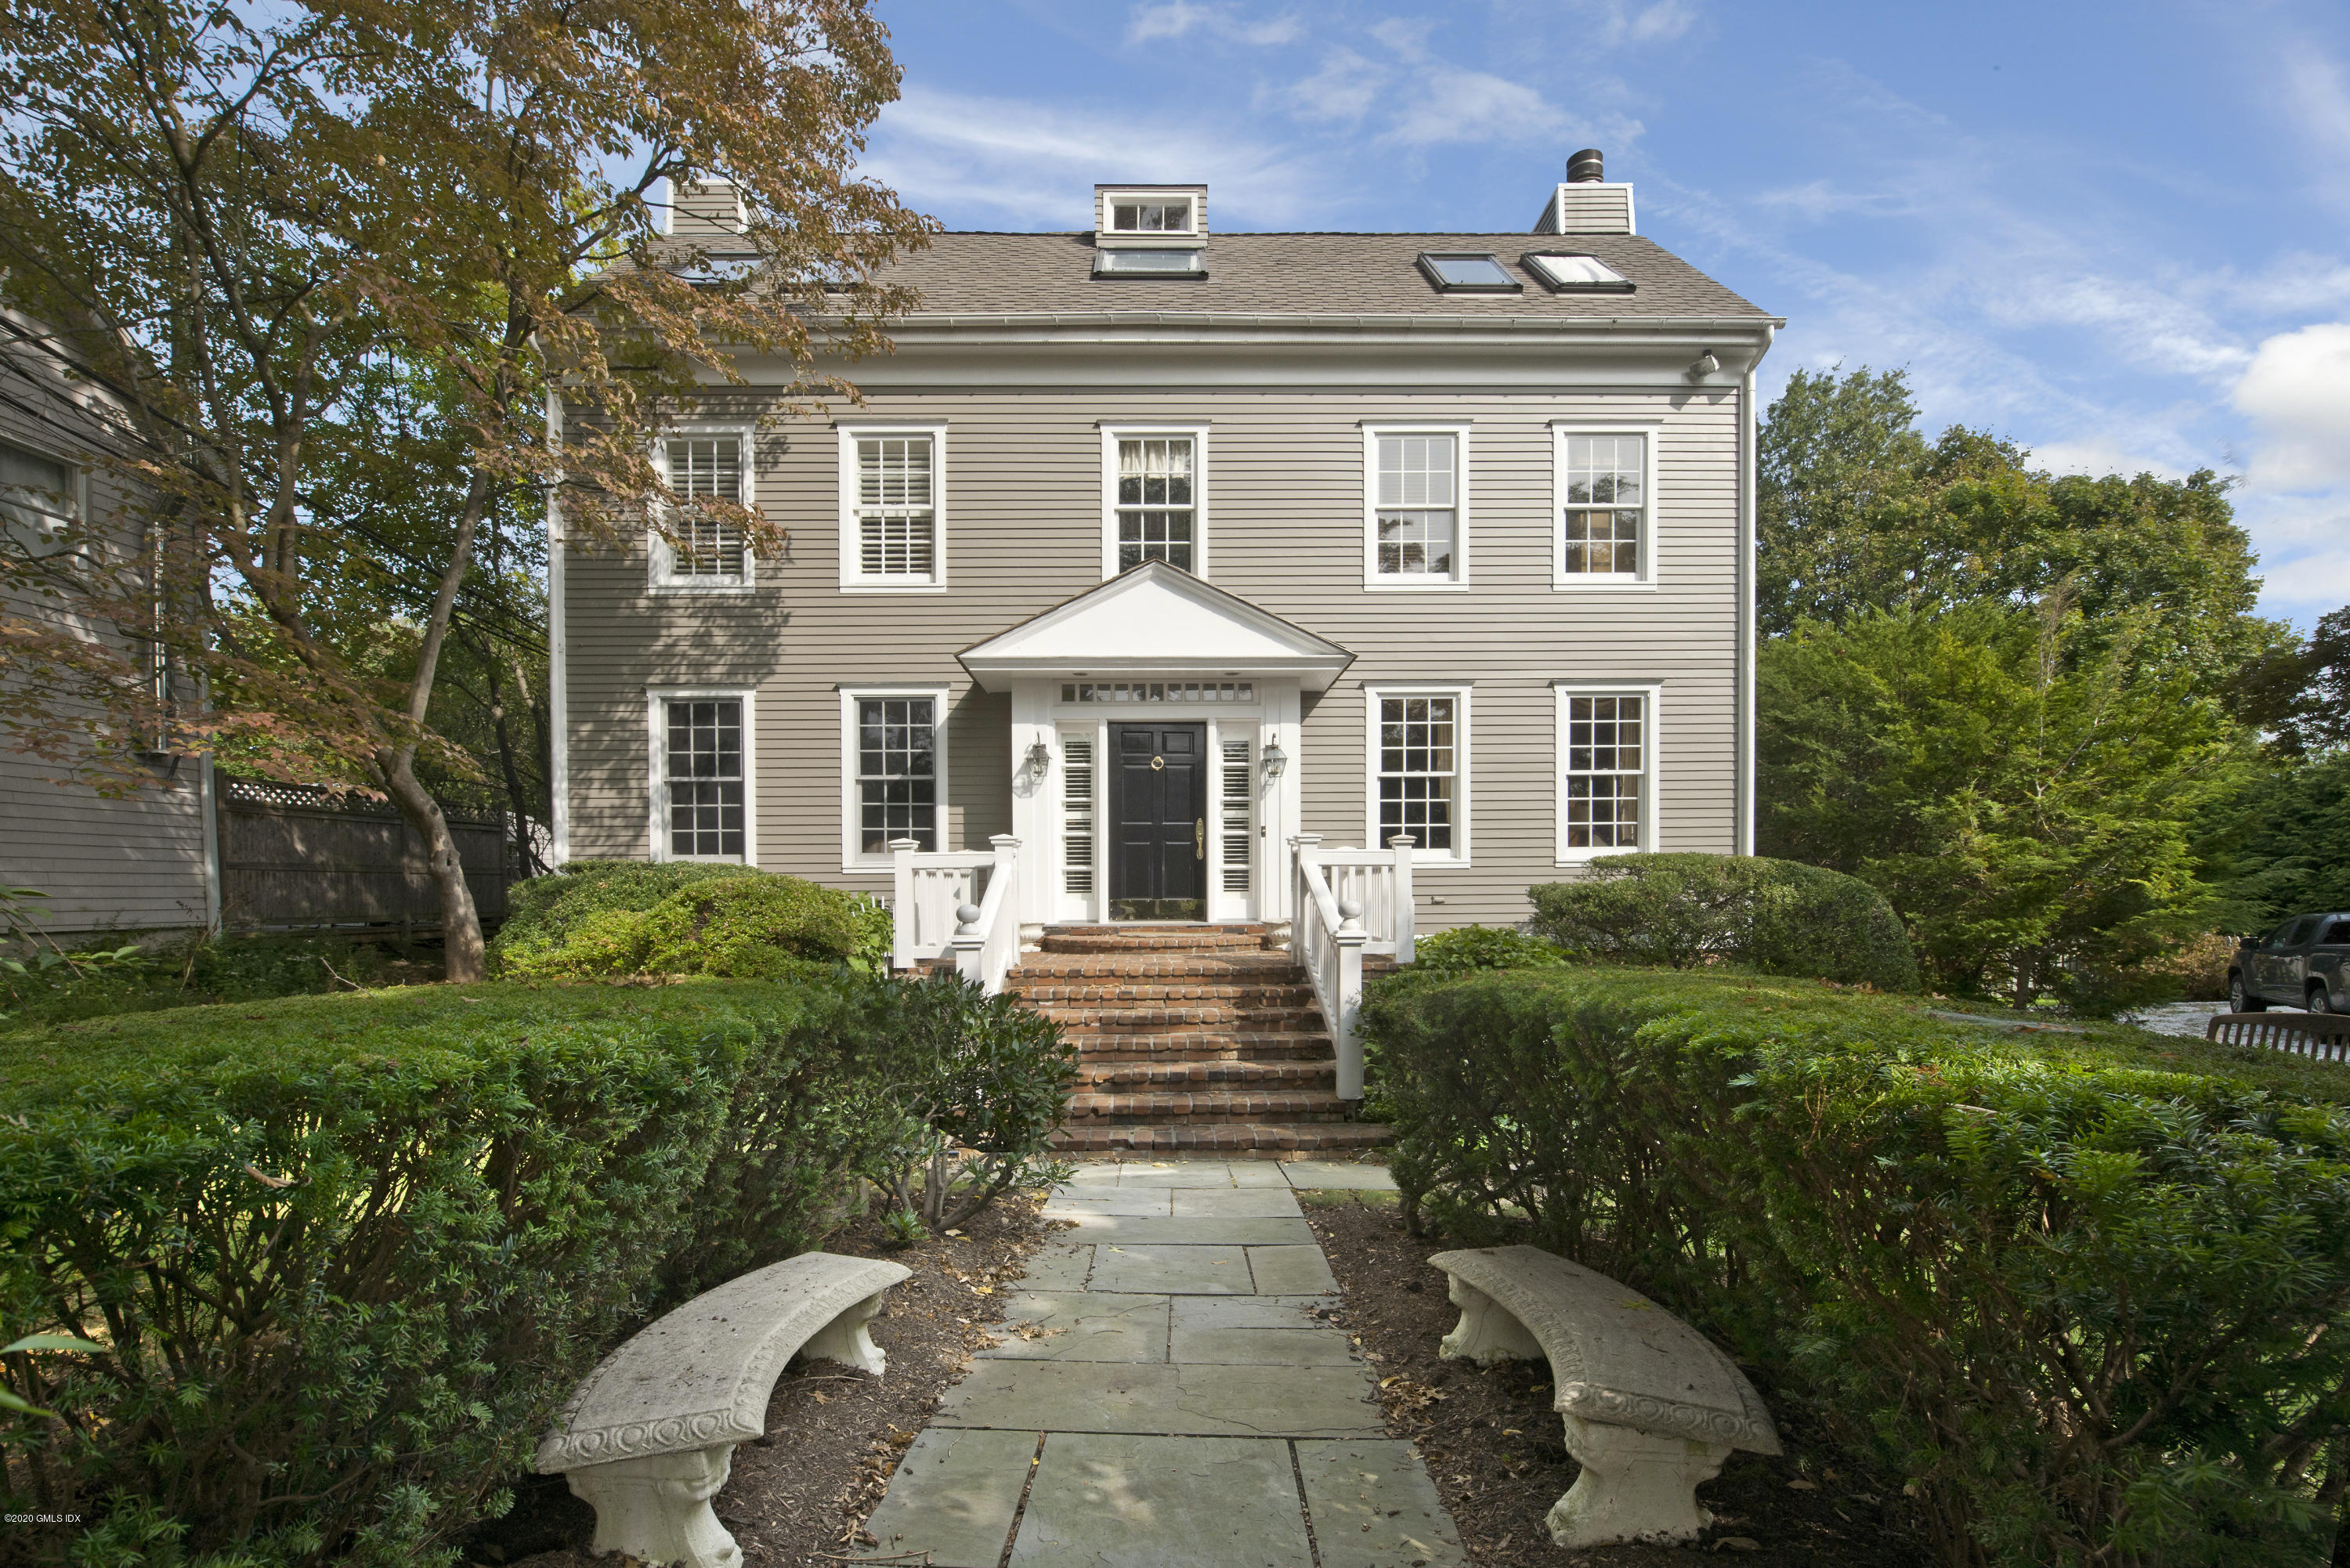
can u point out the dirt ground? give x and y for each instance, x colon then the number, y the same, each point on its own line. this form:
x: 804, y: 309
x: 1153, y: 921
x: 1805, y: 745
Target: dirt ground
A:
x: 798, y: 1497
x: 1494, y: 1444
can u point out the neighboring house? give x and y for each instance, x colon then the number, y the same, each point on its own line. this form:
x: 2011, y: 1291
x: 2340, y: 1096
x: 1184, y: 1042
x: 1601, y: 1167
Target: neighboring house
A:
x: 1154, y: 548
x: 143, y: 862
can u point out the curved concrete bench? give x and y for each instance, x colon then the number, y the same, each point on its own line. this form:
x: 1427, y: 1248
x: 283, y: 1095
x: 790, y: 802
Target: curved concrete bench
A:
x: 1651, y: 1408
x: 650, y: 1436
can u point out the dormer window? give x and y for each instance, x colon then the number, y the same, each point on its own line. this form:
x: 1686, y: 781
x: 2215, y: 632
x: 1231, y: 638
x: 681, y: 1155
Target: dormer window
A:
x: 1160, y: 217
x: 1571, y: 272
x: 1469, y: 272
x: 1190, y: 263
x: 1150, y: 230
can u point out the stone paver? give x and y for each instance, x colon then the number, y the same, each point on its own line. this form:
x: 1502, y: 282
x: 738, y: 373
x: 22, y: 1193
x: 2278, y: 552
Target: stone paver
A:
x: 1161, y: 1502
x: 1194, y: 1411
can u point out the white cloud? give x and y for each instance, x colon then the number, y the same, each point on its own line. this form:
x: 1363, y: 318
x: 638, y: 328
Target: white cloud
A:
x: 2297, y: 390
x: 2317, y: 97
x: 1449, y: 104
x: 2098, y: 457
x: 1343, y: 89
x: 1612, y: 23
x: 1424, y: 101
x: 1177, y: 18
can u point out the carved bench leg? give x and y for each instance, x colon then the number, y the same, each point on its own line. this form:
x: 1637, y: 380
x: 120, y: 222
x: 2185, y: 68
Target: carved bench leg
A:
x: 656, y: 1509
x: 1486, y: 1332
x: 844, y: 1339
x: 1635, y: 1486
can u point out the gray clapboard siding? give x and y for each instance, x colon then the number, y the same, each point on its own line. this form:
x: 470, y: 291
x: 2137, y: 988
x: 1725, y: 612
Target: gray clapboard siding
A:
x: 1284, y: 498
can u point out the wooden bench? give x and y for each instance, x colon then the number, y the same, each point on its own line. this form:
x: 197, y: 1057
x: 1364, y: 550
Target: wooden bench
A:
x: 649, y: 1439
x: 1651, y: 1407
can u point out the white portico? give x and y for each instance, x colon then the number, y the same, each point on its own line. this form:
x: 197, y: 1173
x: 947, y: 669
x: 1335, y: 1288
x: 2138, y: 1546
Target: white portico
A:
x: 1204, y: 691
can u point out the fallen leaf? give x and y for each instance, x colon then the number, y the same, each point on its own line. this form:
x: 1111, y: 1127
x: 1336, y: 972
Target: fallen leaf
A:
x: 1803, y: 1486
x: 1738, y: 1544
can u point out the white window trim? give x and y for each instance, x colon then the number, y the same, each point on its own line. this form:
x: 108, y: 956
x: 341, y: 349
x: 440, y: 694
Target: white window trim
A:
x: 1111, y: 435
x: 852, y: 578
x: 80, y: 499
x: 1651, y: 757
x: 657, y: 726
x: 1373, y: 579
x: 852, y: 857
x: 661, y: 560
x: 1143, y: 197
x: 1421, y: 855
x: 1646, y: 577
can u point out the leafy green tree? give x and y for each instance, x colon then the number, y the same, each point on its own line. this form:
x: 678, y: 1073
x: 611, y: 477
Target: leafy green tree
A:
x: 232, y: 218
x: 2022, y: 783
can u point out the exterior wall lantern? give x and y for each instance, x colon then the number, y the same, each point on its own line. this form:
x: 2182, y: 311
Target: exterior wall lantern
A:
x: 1040, y: 760
x: 1276, y: 759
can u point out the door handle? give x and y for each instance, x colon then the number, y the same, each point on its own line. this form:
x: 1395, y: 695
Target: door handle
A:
x: 1199, y: 838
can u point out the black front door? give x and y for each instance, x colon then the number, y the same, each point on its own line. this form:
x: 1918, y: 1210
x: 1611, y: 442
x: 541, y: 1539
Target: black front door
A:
x: 1159, y: 822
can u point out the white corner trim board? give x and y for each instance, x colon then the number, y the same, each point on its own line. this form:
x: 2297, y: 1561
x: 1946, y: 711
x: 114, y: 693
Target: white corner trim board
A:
x: 649, y: 1439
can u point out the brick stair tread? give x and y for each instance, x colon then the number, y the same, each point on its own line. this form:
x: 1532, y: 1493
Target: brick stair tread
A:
x: 1238, y: 1070
x: 1243, y: 1139
x: 1277, y: 967
x: 1155, y: 1048
x: 1109, y: 993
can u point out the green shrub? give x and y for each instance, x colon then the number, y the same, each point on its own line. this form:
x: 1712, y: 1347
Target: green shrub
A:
x: 985, y: 1081
x: 1465, y: 948
x: 2089, y: 1295
x: 614, y: 917
x: 189, y: 972
x: 1776, y: 916
x: 349, y: 1253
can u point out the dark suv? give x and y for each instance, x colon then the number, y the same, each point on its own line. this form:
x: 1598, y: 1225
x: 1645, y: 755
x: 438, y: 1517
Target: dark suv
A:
x: 2303, y: 962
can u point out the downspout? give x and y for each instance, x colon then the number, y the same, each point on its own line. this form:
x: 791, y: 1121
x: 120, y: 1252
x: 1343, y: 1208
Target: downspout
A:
x: 558, y: 684
x: 1743, y: 840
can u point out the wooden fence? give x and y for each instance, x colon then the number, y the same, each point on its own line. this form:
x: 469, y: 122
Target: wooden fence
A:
x: 294, y: 857
x: 2323, y: 1035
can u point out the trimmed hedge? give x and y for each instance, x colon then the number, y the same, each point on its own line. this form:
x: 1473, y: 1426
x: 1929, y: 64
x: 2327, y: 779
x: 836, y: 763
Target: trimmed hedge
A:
x: 1780, y: 917
x: 2086, y: 1294
x: 349, y: 1253
x: 617, y: 917
x: 1465, y: 948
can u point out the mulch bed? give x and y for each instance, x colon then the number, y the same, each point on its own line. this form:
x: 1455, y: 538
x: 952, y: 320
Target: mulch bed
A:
x: 798, y: 1497
x: 1492, y: 1443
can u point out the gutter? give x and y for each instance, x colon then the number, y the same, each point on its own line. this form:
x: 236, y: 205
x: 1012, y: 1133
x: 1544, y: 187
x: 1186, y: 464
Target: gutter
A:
x: 1749, y: 428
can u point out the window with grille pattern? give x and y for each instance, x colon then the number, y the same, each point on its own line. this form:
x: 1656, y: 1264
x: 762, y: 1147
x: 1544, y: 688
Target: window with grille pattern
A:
x: 1417, y: 506
x: 1239, y: 799
x: 1605, y: 510
x: 1607, y: 772
x: 897, y: 510
x: 1157, y: 512
x: 704, y: 763
x: 1077, y: 814
x: 1419, y: 776
x: 896, y: 772
x: 707, y: 550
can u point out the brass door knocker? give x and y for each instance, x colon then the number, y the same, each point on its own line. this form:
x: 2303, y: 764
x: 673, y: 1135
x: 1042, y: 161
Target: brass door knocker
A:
x: 1157, y: 762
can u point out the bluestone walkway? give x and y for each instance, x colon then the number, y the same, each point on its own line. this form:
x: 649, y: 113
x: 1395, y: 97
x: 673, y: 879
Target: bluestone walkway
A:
x: 1165, y: 1397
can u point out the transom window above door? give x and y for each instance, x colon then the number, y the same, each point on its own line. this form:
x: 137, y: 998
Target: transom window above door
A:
x: 1157, y: 507
x: 1416, y: 490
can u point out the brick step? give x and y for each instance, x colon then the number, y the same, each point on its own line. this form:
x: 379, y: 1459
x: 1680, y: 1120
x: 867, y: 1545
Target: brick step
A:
x: 1206, y: 940
x: 1108, y: 1077
x: 1237, y: 963
x: 1108, y: 993
x: 1082, y: 1019
x: 1231, y: 1140
x: 1186, y: 1107
x: 1205, y: 1045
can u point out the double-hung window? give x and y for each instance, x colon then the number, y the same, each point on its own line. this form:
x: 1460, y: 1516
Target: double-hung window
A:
x: 1154, y: 507
x: 1415, y: 485
x: 893, y: 772
x: 1606, y: 770
x: 706, y: 552
x: 1420, y: 770
x: 1605, y: 506
x: 40, y: 499
x: 701, y: 771
x: 892, y: 533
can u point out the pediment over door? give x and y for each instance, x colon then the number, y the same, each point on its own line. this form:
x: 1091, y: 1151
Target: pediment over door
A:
x: 1156, y: 619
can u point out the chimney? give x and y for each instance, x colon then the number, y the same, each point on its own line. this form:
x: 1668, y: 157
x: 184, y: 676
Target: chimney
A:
x: 1586, y: 203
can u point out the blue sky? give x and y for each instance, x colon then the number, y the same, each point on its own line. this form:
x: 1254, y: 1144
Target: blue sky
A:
x: 2118, y: 234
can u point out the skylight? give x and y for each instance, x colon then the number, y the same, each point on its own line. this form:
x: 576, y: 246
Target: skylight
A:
x: 1468, y: 272
x: 1187, y: 263
x: 1568, y: 271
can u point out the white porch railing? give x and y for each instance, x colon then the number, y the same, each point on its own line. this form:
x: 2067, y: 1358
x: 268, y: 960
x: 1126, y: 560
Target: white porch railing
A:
x: 1328, y: 933
x: 929, y: 897
x: 987, y: 934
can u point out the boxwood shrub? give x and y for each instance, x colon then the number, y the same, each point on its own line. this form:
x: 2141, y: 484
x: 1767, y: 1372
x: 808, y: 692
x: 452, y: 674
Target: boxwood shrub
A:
x: 618, y: 917
x: 1780, y: 917
x: 347, y: 1253
x: 2085, y: 1293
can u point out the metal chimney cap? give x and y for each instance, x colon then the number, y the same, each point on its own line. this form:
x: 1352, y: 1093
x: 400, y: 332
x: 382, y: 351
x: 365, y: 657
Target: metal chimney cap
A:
x: 1587, y: 167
